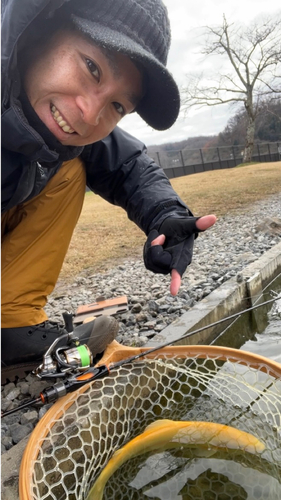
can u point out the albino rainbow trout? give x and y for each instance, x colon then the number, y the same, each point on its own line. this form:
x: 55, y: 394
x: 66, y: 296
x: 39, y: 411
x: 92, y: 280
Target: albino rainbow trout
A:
x: 164, y: 434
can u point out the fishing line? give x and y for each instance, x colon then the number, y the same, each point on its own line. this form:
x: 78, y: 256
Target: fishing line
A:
x: 193, y: 332
x: 258, y: 398
x: 265, y: 288
x: 265, y: 390
x: 257, y: 298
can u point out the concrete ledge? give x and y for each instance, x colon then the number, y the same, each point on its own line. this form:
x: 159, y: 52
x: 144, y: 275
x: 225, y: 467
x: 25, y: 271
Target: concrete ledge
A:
x: 222, y: 302
x: 267, y: 266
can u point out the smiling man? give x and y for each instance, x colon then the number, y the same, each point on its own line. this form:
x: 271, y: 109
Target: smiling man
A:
x: 71, y: 71
x: 78, y: 90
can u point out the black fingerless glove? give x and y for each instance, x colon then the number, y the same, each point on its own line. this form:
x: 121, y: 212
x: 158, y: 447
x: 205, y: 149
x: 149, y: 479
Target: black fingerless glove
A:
x: 176, y: 253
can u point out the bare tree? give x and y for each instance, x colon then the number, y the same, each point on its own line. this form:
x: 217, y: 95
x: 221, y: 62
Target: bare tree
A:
x: 252, y: 70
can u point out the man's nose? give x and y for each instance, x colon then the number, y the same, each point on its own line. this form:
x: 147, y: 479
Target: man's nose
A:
x: 91, y: 109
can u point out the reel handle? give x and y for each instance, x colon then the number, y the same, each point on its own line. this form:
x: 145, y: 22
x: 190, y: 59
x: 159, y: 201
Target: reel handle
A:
x: 67, y: 318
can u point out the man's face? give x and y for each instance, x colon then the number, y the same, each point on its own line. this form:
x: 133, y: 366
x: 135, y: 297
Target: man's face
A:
x: 80, y: 91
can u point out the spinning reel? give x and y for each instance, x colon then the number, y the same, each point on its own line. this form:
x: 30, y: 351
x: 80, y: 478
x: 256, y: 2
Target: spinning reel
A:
x: 66, y: 359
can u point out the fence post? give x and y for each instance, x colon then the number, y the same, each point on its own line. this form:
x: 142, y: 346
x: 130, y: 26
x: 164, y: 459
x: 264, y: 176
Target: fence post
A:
x: 158, y: 159
x: 181, y: 158
x: 268, y: 147
x: 259, y: 153
x: 218, y: 151
x: 202, y: 159
x: 234, y: 157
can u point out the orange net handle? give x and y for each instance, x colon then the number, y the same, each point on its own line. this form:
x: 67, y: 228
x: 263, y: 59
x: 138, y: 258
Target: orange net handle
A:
x: 116, y: 352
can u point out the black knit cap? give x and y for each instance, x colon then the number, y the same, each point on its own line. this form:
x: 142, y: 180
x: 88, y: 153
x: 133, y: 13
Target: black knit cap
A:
x: 139, y: 29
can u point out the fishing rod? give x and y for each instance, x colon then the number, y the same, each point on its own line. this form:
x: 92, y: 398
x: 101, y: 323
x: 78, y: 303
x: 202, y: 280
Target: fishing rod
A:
x: 257, y: 298
x: 75, y: 381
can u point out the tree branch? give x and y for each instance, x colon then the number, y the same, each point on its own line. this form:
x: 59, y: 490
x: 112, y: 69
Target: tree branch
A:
x: 253, y: 57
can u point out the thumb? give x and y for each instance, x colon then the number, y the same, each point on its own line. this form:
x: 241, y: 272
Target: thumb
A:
x: 160, y: 240
x: 205, y: 222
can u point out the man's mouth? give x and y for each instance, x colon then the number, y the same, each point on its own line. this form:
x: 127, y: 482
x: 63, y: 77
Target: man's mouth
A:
x: 62, y: 123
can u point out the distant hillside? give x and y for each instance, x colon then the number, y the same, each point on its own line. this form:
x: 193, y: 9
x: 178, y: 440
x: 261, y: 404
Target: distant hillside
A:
x: 191, y: 143
x: 268, y: 129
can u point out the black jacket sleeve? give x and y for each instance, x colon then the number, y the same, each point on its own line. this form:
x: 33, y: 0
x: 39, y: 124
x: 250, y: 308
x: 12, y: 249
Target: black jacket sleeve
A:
x: 119, y: 169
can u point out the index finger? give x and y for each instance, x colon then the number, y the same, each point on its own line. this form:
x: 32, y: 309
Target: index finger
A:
x: 175, y: 282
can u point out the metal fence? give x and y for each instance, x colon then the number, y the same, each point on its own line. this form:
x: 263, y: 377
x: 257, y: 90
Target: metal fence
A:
x: 191, y: 161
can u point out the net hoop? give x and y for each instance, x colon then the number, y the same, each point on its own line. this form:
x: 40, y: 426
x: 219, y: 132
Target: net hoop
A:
x: 116, y: 352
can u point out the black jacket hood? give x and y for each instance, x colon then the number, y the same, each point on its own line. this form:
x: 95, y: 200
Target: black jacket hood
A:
x: 20, y: 20
x: 16, y: 18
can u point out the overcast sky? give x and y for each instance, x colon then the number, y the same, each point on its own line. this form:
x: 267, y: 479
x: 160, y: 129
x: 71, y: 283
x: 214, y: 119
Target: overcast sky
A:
x: 187, y: 16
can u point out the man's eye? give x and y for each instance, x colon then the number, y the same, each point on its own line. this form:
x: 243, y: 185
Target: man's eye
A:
x: 119, y: 108
x: 93, y: 69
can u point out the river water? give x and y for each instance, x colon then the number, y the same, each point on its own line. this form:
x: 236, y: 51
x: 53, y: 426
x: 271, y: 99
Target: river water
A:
x: 268, y: 342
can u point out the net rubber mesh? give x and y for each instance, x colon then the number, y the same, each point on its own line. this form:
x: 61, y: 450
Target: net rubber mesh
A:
x: 76, y: 438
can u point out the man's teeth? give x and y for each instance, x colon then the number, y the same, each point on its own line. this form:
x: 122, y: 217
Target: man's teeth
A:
x: 60, y: 121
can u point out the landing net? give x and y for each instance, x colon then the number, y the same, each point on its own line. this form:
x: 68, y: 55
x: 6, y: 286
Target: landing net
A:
x: 75, y: 439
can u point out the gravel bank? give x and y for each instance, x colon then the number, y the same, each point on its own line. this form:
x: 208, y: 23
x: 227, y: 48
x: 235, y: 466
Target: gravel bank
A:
x: 220, y: 253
